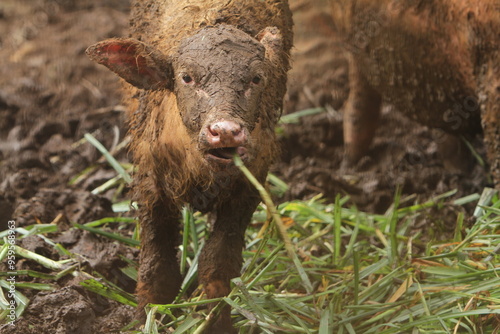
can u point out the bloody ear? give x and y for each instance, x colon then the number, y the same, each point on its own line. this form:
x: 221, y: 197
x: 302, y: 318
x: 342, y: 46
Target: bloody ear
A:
x: 271, y: 38
x: 134, y: 61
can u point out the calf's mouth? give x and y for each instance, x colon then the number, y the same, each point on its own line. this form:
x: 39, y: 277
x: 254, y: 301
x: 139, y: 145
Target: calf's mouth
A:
x: 225, y: 155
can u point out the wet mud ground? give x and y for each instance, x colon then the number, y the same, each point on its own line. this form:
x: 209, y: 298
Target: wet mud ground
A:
x: 51, y: 94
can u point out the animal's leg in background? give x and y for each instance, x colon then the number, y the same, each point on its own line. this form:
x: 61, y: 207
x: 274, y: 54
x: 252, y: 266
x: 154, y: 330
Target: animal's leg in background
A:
x: 361, y: 115
x: 221, y: 258
x: 159, y: 278
x: 490, y: 118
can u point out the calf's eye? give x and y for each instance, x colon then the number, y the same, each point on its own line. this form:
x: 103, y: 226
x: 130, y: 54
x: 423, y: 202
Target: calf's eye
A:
x: 256, y: 80
x: 187, y: 78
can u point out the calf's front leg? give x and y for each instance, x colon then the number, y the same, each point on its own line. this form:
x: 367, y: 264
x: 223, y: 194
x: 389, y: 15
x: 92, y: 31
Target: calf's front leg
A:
x: 221, y: 258
x: 159, y: 278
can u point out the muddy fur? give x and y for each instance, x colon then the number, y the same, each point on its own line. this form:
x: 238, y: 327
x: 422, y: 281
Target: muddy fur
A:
x: 436, y: 61
x: 208, y: 80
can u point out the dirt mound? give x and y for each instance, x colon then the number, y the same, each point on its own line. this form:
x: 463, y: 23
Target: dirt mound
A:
x: 71, y: 309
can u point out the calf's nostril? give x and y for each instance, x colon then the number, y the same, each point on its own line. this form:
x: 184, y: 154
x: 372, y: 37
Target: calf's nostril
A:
x: 213, y: 130
x: 236, y: 132
x: 225, y: 128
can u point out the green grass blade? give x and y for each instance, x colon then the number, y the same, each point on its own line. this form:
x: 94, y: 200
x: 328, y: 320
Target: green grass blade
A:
x: 109, y: 292
x: 115, y: 236
x: 112, y: 161
x: 296, y: 116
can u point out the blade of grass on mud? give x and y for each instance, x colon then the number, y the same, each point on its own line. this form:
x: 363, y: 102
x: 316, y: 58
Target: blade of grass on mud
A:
x: 150, y: 326
x: 112, y: 161
x: 36, y: 286
x: 486, y: 196
x: 124, y: 206
x: 111, y: 235
x: 30, y: 273
x: 3, y: 301
x: 44, y: 261
x: 187, y: 219
x: 337, y: 221
x: 103, y: 280
x: 165, y: 308
x: 35, y: 229
x: 21, y: 301
x: 82, y: 175
x: 427, y: 204
x: 111, y: 292
x: 131, y: 269
x: 188, y: 324
x: 277, y: 186
x: 99, y: 222
x: 111, y: 183
x: 296, y: 116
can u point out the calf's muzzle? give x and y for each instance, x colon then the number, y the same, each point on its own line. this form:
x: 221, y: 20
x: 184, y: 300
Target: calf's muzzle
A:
x: 224, y: 139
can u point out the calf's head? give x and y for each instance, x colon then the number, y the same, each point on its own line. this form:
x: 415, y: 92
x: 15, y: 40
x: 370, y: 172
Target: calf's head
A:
x: 219, y: 76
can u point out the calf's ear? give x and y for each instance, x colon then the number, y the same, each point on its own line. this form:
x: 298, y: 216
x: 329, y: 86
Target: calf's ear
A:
x: 272, y: 40
x: 134, y: 61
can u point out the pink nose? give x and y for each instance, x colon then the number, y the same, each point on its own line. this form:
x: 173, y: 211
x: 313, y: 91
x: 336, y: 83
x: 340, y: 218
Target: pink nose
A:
x: 225, y: 134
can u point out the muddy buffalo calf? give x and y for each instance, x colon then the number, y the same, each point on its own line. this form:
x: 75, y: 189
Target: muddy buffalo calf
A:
x: 207, y: 82
x: 436, y: 61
